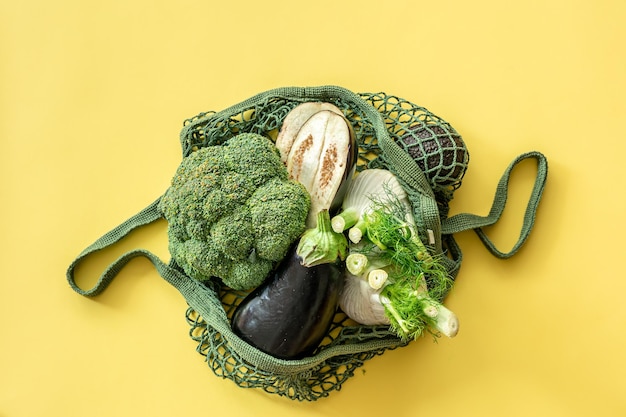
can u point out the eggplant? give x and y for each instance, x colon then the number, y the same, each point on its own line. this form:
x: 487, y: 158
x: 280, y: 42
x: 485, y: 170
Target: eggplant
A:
x: 295, y: 119
x: 289, y: 315
x: 318, y: 145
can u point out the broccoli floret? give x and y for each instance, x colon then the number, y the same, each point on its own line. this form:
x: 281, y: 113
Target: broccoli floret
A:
x: 233, y: 212
x: 268, y: 199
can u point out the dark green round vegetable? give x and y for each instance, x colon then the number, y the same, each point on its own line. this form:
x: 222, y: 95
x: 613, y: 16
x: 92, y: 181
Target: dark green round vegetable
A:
x: 439, y: 151
x: 290, y: 314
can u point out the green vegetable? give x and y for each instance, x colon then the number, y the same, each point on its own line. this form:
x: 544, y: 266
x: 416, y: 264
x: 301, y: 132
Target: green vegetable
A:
x: 417, y: 280
x: 368, y: 261
x: 320, y: 244
x: 367, y: 187
x: 403, y: 276
x: 361, y: 302
x: 232, y: 211
x: 412, y: 309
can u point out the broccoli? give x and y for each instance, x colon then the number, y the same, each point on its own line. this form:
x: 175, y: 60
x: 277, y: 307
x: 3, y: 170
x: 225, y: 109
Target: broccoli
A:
x: 232, y: 211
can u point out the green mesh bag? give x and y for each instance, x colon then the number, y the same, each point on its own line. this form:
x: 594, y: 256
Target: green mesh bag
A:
x: 429, y: 158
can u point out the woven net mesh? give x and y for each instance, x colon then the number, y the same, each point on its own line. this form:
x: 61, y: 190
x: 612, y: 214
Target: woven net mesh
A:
x: 431, y: 141
x: 308, y: 383
x: 439, y: 152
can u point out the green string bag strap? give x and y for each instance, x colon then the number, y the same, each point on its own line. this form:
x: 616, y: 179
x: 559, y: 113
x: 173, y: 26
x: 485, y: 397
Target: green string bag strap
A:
x: 146, y: 216
x: 468, y: 221
x: 203, y: 299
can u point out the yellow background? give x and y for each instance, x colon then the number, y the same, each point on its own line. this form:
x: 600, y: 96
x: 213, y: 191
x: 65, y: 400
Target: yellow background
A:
x: 92, y: 99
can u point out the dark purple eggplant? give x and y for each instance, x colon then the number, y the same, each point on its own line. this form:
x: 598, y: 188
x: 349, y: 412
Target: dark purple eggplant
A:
x: 289, y: 315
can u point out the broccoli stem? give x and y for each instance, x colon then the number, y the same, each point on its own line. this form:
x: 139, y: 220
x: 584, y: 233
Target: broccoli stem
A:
x: 345, y: 220
x: 321, y: 244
